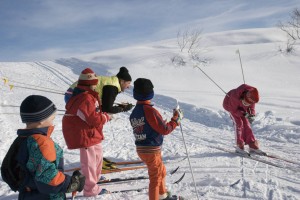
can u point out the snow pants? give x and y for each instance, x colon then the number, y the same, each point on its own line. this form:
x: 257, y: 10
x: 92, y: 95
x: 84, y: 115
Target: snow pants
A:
x: 244, y: 134
x: 157, y: 174
x: 91, y: 166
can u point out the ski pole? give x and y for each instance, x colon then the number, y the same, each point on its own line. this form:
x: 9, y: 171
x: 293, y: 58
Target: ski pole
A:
x: 15, y: 106
x: 210, y: 79
x: 50, y: 91
x: 177, y: 108
x: 238, y: 52
x: 30, y: 85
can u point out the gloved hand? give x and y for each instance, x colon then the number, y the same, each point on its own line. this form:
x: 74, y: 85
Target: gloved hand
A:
x: 246, y: 114
x: 126, y: 107
x: 77, y: 182
x: 177, y: 116
x: 107, y: 116
x: 251, y: 118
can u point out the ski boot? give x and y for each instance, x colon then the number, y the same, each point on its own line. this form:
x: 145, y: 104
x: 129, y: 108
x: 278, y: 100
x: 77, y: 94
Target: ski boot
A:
x: 173, y: 197
x: 240, y: 149
x: 254, y: 149
x: 104, y: 191
x: 257, y: 152
x: 102, y: 178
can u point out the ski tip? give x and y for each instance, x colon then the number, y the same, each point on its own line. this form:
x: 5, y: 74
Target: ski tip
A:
x: 174, y: 171
x: 180, y: 179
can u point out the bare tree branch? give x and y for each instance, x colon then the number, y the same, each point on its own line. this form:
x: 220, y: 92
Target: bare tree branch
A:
x: 292, y: 29
x: 194, y: 40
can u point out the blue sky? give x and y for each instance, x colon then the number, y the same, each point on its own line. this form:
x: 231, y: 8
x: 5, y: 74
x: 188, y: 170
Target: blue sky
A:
x: 32, y: 30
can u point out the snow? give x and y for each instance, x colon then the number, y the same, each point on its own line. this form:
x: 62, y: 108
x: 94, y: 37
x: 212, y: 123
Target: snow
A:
x: 218, y: 175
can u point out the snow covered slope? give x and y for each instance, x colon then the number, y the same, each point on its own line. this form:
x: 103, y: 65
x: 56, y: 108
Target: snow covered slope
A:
x: 206, y: 124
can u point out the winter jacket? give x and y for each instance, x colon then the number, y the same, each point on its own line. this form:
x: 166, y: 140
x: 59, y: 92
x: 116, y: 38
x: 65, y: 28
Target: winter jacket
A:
x: 83, y: 121
x: 149, y: 127
x: 233, y: 101
x: 43, y: 159
x: 108, y: 88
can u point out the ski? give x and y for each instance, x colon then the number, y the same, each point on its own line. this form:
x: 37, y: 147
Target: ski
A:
x: 114, y: 180
x: 73, y: 197
x: 120, y: 180
x: 108, y: 171
x: 180, y: 179
x: 256, y: 158
x: 141, y: 189
x: 278, y: 158
x: 130, y: 162
x: 127, y: 162
x: 111, y: 164
x: 129, y: 190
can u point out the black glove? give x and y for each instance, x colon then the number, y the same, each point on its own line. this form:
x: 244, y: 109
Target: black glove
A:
x: 77, y: 182
x: 246, y: 114
x: 126, y: 107
x: 251, y: 118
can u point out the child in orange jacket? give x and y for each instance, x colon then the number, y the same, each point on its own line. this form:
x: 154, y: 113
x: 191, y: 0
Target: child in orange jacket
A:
x: 34, y: 163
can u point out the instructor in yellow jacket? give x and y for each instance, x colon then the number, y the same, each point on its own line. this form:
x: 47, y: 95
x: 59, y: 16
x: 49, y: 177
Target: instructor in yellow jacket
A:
x: 108, y: 88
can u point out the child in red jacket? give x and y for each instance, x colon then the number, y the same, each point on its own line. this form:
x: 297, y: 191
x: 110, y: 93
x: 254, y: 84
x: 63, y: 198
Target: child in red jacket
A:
x: 240, y: 103
x: 82, y: 128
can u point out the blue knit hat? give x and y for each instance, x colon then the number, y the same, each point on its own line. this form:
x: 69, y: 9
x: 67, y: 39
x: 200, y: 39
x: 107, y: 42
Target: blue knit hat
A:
x: 143, y: 89
x: 36, y: 108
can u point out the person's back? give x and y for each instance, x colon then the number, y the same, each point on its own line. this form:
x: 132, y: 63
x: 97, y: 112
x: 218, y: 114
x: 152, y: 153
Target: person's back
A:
x: 39, y: 156
x: 149, y: 129
x: 82, y: 128
x: 85, y: 129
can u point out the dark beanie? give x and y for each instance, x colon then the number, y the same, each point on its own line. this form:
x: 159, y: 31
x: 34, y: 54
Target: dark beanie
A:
x: 143, y: 89
x: 124, y: 74
x: 36, y: 108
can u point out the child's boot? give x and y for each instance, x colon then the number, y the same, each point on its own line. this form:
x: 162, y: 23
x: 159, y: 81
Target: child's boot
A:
x: 254, y: 149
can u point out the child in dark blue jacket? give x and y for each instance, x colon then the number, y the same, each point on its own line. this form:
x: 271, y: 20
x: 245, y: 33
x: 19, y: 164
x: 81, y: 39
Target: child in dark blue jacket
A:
x: 149, y: 129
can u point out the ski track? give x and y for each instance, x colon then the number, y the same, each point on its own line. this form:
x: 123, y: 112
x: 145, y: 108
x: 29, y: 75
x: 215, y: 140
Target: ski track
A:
x: 57, y: 73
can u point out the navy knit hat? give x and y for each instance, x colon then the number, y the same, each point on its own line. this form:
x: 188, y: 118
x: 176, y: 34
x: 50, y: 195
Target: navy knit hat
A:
x: 124, y: 74
x: 143, y: 89
x: 36, y: 108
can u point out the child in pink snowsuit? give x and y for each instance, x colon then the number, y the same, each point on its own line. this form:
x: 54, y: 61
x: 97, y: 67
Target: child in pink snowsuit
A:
x: 240, y: 103
x: 82, y: 128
